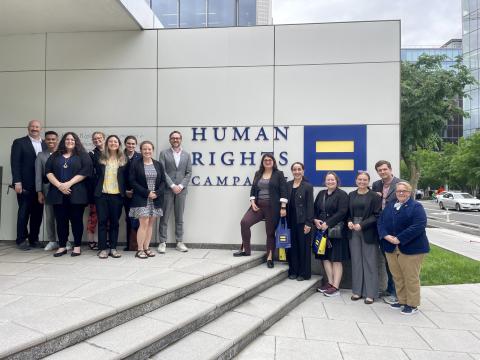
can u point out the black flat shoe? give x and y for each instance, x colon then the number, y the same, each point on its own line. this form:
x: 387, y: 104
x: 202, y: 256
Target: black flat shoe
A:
x: 292, y: 277
x: 73, y: 254
x: 300, y: 278
x: 61, y: 253
x: 240, y: 253
x: 270, y: 264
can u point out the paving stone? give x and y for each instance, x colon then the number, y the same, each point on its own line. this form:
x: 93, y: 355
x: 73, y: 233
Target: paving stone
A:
x: 333, y: 330
x: 244, y: 281
x: 94, y: 287
x: 46, y: 287
x: 7, y: 282
x: 86, y: 350
x: 102, y: 272
x: 280, y: 292
x: 312, y: 307
x: 186, y: 262
x: 393, y: 317
x: 265, y: 272
x: 392, y: 335
x: 140, y: 333
x: 171, y: 280
x: 7, y: 299
x: 435, y: 355
x: 14, y: 268
x: 196, y: 346
x: 351, y: 313
x: 59, y: 271
x: 182, y: 311
x: 262, y: 348
x: 453, y: 321
x: 366, y: 352
x: 26, y: 305
x: 16, y: 337
x: 475, y: 356
x: 299, y: 349
x: 288, y: 326
x: 458, y: 306
x: 19, y: 256
x: 259, y: 307
x: 126, y: 296
x: 450, y: 340
x: 217, y: 294
x: 205, y: 268
x: 70, y: 316
x: 232, y: 326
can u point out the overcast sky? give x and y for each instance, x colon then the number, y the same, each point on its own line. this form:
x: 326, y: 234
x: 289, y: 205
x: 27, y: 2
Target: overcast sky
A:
x: 424, y: 22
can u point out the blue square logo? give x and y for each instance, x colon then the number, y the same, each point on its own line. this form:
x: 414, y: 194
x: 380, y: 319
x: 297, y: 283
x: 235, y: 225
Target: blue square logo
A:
x: 338, y: 148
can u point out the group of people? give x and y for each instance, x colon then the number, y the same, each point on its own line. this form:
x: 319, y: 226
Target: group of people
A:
x: 371, y: 223
x: 62, y: 177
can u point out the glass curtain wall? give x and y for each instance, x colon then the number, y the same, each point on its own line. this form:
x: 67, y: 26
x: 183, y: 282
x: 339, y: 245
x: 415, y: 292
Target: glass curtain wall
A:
x: 470, y: 24
x: 204, y: 13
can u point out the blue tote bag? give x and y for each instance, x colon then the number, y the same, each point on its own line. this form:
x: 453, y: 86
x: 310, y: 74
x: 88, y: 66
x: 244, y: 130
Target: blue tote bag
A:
x: 282, y: 235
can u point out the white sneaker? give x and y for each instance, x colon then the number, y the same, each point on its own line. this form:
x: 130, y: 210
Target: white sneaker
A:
x: 69, y: 246
x: 162, y: 248
x: 181, y: 247
x: 52, y: 245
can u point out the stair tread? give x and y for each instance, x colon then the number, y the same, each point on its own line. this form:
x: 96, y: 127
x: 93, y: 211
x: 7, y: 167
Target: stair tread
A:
x: 236, y: 323
x: 154, y: 325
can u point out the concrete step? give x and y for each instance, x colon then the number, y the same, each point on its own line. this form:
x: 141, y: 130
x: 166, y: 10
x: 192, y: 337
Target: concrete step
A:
x: 49, y: 331
x: 226, y: 336
x: 148, y: 334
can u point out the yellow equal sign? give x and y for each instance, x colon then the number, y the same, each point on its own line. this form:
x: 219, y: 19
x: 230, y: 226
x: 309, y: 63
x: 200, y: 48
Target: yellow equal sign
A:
x: 334, y: 147
x: 334, y: 165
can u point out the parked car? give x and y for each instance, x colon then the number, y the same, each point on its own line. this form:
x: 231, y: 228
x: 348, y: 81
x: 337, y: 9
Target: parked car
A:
x: 458, y: 201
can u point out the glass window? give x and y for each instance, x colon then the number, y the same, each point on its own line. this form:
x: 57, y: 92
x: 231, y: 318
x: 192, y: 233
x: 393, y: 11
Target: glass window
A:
x: 192, y: 13
x: 473, y: 21
x: 473, y: 40
x: 222, y: 13
x: 247, y: 12
x: 465, y: 43
x: 472, y: 5
x: 167, y: 12
x: 465, y: 7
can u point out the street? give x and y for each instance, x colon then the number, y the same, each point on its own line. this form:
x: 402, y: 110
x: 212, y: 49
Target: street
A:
x: 464, y: 221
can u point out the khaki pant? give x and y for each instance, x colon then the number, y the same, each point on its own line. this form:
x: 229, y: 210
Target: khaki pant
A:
x: 406, y: 275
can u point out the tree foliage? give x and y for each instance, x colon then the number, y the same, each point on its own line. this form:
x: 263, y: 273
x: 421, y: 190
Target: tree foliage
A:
x: 429, y: 98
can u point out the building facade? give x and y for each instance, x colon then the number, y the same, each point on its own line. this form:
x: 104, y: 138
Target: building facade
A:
x: 471, y: 48
x: 233, y: 92
x: 212, y: 13
x: 453, y: 48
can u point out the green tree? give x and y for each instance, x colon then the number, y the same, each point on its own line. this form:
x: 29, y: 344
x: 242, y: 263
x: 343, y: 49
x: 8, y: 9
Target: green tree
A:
x: 465, y: 164
x: 429, y: 97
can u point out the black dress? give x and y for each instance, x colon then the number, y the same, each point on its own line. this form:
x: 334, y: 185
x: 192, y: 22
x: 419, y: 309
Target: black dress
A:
x: 333, y: 209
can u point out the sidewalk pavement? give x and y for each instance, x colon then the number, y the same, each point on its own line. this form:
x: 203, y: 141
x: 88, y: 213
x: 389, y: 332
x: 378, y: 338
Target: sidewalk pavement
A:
x: 461, y: 243
x: 447, y: 326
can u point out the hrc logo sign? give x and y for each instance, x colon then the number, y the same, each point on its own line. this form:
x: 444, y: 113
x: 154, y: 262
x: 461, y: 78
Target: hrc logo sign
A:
x: 339, y: 148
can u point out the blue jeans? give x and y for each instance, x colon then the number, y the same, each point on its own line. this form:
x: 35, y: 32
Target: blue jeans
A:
x: 390, y: 284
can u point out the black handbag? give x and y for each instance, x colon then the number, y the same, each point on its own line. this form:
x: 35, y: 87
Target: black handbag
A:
x: 337, y: 231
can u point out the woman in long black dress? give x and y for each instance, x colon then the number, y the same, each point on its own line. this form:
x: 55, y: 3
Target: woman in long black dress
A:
x: 300, y: 222
x: 331, y: 207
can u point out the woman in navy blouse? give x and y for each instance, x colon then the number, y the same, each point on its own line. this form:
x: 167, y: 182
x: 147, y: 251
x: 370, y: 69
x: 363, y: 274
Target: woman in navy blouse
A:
x: 67, y: 169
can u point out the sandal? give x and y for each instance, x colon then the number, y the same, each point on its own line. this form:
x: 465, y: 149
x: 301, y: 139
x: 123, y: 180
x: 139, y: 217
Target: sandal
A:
x: 149, y: 253
x: 141, y: 255
x: 355, y: 297
x: 103, y: 254
x: 368, y: 301
x: 115, y: 254
x: 93, y: 245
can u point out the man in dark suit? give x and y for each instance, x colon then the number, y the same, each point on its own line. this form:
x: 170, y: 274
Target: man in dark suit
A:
x: 385, y: 187
x: 22, y: 161
x: 178, y: 171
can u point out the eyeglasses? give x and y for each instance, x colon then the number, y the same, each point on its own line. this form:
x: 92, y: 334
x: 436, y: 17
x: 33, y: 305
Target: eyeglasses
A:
x: 402, y: 192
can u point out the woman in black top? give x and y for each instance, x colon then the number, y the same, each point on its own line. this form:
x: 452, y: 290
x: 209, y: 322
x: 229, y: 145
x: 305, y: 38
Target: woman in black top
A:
x: 365, y: 206
x: 147, y: 178
x: 132, y: 223
x: 300, y: 222
x: 67, y: 169
x: 109, y: 193
x: 331, y: 207
x: 268, y: 200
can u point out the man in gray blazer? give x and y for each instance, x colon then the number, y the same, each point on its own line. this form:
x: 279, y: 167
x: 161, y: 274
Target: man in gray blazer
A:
x: 385, y: 187
x: 41, y: 187
x: 178, y: 171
